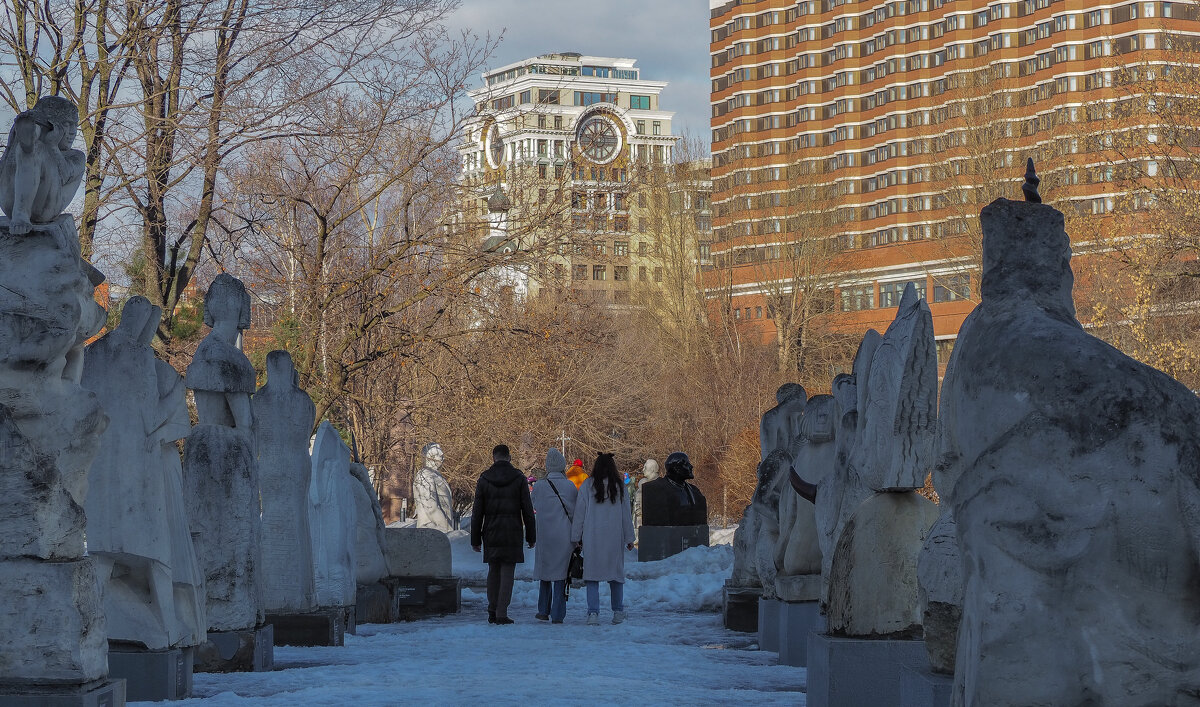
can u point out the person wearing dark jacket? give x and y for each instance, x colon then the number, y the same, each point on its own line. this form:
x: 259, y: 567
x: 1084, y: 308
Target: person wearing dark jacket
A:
x: 501, y: 508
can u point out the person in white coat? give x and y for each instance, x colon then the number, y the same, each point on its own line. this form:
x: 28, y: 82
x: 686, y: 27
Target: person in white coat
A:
x: 554, y: 503
x: 604, y: 526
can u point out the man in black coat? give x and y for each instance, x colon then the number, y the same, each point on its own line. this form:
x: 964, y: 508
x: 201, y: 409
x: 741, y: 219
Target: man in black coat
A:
x: 501, y: 507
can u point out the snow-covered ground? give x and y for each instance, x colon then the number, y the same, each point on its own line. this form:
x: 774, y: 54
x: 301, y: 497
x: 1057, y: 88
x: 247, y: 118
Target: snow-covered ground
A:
x: 671, y: 650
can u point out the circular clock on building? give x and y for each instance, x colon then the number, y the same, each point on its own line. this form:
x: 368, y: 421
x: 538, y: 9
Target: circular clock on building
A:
x: 495, y: 147
x: 599, y: 139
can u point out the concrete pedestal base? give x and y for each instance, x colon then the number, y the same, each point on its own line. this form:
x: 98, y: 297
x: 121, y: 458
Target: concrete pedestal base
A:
x: 739, y: 606
x: 323, y: 627
x: 105, y: 693
x: 797, y: 619
x: 857, y: 672
x: 658, y: 541
x: 252, y: 650
x: 419, y: 597
x: 375, y: 603
x: 152, y: 676
x: 921, y: 687
x: 768, y: 624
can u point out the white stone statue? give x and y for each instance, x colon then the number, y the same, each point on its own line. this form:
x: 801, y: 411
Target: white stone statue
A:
x: 129, y: 530
x: 370, y: 564
x: 798, y: 550
x: 331, y: 519
x: 219, y: 469
x: 1072, y: 473
x: 873, y: 578
x: 781, y: 424
x: 773, y: 475
x: 650, y: 472
x: 40, y: 172
x: 431, y: 492
x: 283, y: 422
x: 50, y: 427
x: 187, y: 577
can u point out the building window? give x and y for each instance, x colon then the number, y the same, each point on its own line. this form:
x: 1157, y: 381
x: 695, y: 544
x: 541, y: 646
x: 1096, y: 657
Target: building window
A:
x: 620, y: 247
x: 758, y: 312
x: 587, y: 98
x: 621, y: 224
x: 642, y: 222
x: 621, y: 273
x: 643, y: 247
x: 641, y: 127
x: 547, y: 96
x: 737, y: 313
x: 657, y: 127
x: 658, y: 274
x: 890, y: 292
x: 526, y: 96
x: 599, y: 248
x: 706, y: 251
x: 945, y: 347
x: 618, y: 201
x: 558, y: 122
x: 952, y: 288
x: 642, y: 273
x: 541, y: 121
x: 858, y: 298
x: 502, y: 103
x: 599, y: 272
x: 579, y: 272
x: 542, y: 171
x: 639, y: 102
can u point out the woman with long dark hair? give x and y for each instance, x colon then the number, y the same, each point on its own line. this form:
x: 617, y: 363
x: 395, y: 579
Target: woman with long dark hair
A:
x: 603, y: 525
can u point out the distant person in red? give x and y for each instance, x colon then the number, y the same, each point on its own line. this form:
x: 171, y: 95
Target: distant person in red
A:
x: 502, y: 510
x: 576, y: 474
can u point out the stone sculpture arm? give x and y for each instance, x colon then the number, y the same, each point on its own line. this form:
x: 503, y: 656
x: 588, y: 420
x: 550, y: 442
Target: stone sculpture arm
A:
x: 806, y: 490
x: 243, y: 415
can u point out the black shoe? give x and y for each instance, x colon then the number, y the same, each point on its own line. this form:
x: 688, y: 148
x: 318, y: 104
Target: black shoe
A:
x: 505, y: 621
x: 542, y: 617
x: 491, y: 617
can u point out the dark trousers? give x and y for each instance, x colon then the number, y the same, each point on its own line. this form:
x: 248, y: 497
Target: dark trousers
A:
x: 499, y: 587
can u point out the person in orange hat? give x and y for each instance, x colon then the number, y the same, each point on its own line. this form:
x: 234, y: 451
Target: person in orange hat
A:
x: 576, y: 474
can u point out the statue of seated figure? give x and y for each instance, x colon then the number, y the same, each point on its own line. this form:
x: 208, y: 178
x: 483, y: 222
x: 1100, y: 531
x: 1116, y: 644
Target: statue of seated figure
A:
x: 39, y: 171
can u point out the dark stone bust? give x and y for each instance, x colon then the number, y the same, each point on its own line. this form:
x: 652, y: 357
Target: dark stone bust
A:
x: 671, y: 500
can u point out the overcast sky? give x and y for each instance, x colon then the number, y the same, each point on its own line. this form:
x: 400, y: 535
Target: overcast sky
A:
x: 669, y: 39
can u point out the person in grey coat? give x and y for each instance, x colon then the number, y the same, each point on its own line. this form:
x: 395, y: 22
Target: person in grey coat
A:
x: 554, y: 503
x: 604, y: 527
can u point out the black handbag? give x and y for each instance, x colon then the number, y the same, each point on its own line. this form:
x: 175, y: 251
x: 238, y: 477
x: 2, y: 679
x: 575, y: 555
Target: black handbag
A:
x: 575, y: 566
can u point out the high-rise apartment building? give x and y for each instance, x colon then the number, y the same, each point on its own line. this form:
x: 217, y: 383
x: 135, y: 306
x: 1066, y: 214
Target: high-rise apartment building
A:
x: 584, y: 132
x: 873, y: 124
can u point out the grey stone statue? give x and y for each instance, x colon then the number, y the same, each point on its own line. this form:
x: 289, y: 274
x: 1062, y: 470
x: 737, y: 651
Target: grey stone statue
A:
x: 432, y: 499
x: 798, y: 551
x: 220, y: 471
x: 283, y: 421
x: 649, y: 473
x: 370, y: 563
x: 50, y: 427
x: 780, y: 425
x: 40, y: 172
x: 135, y: 540
x: 1072, y: 473
x: 332, y: 526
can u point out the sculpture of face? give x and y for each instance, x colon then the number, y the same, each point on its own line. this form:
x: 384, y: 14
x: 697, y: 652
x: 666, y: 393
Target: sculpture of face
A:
x: 679, y: 467
x: 433, y: 456
x: 650, y: 470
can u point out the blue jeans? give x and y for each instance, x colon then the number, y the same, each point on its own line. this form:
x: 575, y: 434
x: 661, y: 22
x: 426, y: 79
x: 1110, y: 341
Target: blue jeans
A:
x: 616, y: 593
x: 551, y: 601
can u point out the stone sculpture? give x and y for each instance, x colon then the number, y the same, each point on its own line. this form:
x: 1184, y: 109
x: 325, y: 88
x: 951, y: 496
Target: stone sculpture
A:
x: 131, y: 533
x: 873, y: 581
x: 220, y: 471
x: 1071, y: 470
x: 772, y: 473
x: 50, y: 427
x: 433, y: 502
x: 370, y: 564
x: 649, y: 473
x: 779, y: 426
x: 672, y: 500
x: 283, y: 421
x: 798, y: 551
x: 331, y: 519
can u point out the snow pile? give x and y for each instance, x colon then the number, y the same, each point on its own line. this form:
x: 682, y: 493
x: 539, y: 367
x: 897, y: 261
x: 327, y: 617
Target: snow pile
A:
x: 721, y: 536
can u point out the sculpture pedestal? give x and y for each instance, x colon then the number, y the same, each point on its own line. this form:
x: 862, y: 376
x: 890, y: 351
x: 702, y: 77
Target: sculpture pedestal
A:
x: 250, y: 650
x: 768, y: 624
x: 859, y: 671
x: 375, y: 603
x: 152, y: 676
x: 420, y: 597
x: 105, y: 693
x: 797, y: 619
x: 350, y: 618
x: 739, y: 605
x: 656, y: 542
x: 323, y: 627
x: 921, y: 687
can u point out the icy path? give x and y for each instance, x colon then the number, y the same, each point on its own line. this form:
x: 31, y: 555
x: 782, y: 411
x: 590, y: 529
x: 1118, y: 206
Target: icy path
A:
x: 665, y: 653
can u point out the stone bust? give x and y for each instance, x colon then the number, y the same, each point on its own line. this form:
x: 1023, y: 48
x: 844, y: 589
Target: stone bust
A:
x: 220, y: 375
x: 39, y: 171
x: 432, y: 499
x: 672, y: 500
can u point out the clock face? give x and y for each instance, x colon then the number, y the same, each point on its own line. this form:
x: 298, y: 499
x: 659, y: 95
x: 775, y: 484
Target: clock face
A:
x: 495, y: 147
x: 599, y: 139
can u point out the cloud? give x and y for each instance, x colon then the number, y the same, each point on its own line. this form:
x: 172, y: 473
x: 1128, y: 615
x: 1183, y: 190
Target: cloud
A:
x: 669, y: 39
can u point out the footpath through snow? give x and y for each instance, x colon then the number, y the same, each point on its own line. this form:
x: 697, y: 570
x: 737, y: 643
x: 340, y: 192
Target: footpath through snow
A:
x: 672, y: 650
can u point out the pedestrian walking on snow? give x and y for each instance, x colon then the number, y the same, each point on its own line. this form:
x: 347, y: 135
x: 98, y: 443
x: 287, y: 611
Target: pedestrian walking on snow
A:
x: 502, y: 508
x: 554, y: 500
x: 604, y: 526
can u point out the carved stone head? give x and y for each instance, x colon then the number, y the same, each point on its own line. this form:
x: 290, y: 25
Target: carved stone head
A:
x: 679, y: 467
x: 432, y: 456
x: 227, y: 299
x: 280, y: 370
